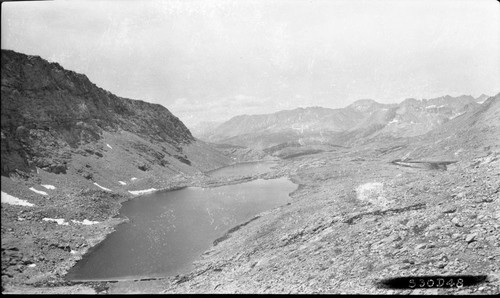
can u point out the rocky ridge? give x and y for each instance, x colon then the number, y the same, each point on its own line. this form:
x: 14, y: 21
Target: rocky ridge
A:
x: 362, y: 120
x: 50, y: 114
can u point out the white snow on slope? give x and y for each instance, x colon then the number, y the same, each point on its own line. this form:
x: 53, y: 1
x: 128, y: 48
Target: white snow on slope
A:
x: 372, y: 192
x: 39, y: 191
x: 8, y: 199
x: 49, y: 186
x: 122, y: 183
x: 457, y: 115
x: 107, y: 189
x: 60, y: 221
x: 133, y: 178
x: 85, y: 222
x: 109, y: 146
x: 139, y: 192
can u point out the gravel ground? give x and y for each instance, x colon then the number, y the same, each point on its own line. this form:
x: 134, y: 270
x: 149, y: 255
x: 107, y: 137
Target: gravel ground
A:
x: 351, y: 224
x: 354, y: 219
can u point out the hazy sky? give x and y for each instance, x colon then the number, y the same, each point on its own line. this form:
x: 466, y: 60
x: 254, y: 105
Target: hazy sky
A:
x: 213, y: 59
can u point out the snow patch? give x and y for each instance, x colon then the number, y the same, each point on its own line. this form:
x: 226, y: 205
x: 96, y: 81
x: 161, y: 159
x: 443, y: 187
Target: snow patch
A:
x: 372, y: 192
x: 60, y: 221
x: 39, y: 191
x: 405, y: 157
x: 430, y: 107
x: 8, y: 199
x: 455, y: 116
x: 107, y: 189
x: 138, y: 192
x: 122, y: 183
x: 85, y: 222
x: 49, y: 186
x: 109, y: 146
x: 32, y: 265
x: 393, y: 121
x: 133, y: 178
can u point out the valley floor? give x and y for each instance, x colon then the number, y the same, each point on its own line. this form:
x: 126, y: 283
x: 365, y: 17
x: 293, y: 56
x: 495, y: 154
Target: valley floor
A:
x: 353, y: 220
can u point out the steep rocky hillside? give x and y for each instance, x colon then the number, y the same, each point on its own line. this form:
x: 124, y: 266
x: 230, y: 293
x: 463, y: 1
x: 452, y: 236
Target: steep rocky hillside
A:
x: 414, y: 117
x: 473, y: 133
x: 71, y: 153
x: 50, y: 115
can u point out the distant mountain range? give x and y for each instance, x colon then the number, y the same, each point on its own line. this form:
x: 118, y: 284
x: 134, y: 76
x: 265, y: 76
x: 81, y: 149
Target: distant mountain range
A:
x: 364, y: 119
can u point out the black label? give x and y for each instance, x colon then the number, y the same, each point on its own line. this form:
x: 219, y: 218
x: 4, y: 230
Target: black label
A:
x: 431, y: 282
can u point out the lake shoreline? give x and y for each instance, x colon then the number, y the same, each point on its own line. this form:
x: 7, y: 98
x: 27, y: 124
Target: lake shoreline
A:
x: 105, y: 228
x: 105, y: 265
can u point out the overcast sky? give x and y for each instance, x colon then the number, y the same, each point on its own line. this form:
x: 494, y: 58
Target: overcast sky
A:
x: 212, y: 59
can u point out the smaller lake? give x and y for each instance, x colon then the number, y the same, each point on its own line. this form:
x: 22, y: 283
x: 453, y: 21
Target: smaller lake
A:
x: 243, y: 169
x: 169, y: 230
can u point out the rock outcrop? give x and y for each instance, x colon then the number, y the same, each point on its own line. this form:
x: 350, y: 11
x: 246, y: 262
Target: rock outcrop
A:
x: 49, y: 112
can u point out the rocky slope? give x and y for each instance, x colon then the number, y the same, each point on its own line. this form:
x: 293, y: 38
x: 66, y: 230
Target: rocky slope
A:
x: 414, y: 117
x: 242, y: 154
x: 351, y: 224
x: 50, y: 114
x: 472, y: 134
x: 73, y: 152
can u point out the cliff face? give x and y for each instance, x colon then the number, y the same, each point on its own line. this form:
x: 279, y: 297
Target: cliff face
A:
x: 48, y: 113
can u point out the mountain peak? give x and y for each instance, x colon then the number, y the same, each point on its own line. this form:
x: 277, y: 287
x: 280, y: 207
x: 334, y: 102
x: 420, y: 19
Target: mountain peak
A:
x: 363, y: 105
x: 364, y: 101
x: 482, y: 98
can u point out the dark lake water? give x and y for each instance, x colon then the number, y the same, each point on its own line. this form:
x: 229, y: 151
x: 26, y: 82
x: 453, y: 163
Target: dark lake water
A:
x: 169, y: 230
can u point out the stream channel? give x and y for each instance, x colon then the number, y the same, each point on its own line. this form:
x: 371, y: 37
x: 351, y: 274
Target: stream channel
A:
x: 168, y: 230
